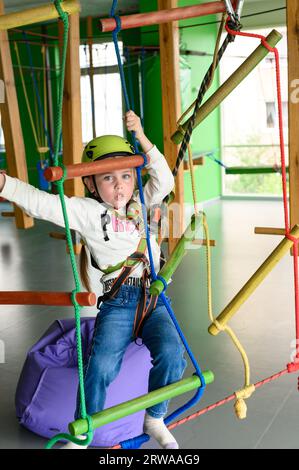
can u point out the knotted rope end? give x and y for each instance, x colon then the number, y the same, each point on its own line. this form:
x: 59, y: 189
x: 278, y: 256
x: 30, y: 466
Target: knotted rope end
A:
x: 240, y: 404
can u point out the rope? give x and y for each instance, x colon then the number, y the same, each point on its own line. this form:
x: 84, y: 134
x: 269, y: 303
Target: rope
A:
x: 212, y: 70
x: 199, y: 393
x: 283, y: 172
x: 127, y: 444
x: 58, y: 125
x: 26, y: 94
x: 246, y: 392
x: 43, y: 52
x: 240, y: 406
x: 35, y: 86
x: 202, y: 91
x: 35, y: 129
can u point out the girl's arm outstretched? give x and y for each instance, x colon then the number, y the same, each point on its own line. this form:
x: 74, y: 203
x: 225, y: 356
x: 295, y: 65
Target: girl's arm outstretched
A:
x: 45, y: 206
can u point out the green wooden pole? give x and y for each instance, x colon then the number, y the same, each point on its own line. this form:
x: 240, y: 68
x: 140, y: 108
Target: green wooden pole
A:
x: 258, y: 170
x: 114, y: 413
x: 176, y: 257
x: 231, y: 83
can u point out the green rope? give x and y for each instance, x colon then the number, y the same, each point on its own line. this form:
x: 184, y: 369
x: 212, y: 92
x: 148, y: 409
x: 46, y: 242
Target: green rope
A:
x: 60, y: 186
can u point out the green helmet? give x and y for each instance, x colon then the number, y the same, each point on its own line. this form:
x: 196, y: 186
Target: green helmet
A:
x: 106, y: 146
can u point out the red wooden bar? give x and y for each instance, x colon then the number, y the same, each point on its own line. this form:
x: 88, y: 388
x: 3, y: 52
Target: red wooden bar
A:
x: 54, y: 173
x: 63, y: 299
x: 162, y: 16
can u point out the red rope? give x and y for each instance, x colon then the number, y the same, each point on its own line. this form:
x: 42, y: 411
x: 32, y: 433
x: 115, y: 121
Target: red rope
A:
x: 283, y: 173
x: 224, y: 401
x: 288, y: 235
x: 217, y: 404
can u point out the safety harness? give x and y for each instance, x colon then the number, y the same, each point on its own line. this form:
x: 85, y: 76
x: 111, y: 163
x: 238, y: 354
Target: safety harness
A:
x: 147, y: 303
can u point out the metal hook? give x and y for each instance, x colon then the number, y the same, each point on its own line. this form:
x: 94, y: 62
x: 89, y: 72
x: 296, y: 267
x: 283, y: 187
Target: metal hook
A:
x: 234, y: 15
x: 239, y: 8
x: 229, y: 9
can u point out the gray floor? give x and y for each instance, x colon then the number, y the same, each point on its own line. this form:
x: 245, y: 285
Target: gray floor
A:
x: 30, y: 260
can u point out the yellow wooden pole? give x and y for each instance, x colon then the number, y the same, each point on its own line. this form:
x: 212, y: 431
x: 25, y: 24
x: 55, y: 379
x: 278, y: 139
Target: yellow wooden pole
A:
x: 254, y: 282
x: 37, y: 14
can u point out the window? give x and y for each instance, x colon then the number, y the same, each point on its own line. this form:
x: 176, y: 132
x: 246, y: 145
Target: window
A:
x: 272, y: 114
x: 249, y: 119
x: 108, y: 109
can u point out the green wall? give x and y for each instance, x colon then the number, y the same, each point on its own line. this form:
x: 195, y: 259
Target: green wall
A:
x: 205, y: 137
x: 32, y: 155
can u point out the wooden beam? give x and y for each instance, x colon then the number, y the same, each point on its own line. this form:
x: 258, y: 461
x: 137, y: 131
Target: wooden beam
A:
x: 91, y: 74
x: 268, y: 265
x: 11, y: 125
x: 77, y: 242
x: 293, y: 69
x: 37, y: 14
x: 165, y: 15
x: 198, y: 242
x: 230, y: 84
x: 171, y: 108
x: 196, y: 162
x: 8, y: 214
x: 71, y: 115
x: 54, y: 173
x: 63, y: 299
x: 269, y: 231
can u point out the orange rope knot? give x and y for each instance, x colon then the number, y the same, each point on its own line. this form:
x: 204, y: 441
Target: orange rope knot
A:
x: 240, y: 405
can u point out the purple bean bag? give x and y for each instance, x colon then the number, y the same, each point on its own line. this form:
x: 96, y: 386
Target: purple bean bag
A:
x: 47, y: 388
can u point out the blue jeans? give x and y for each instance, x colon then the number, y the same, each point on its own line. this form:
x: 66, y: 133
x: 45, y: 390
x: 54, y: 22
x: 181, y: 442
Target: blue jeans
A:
x: 113, y: 334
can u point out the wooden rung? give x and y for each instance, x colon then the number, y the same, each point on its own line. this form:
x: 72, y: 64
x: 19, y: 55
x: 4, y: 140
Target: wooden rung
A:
x: 7, y: 214
x: 61, y: 236
x: 196, y: 162
x: 162, y: 16
x: 55, y: 173
x: 63, y: 299
x: 57, y: 235
x: 77, y: 249
x: 37, y: 15
x: 204, y: 242
x: 198, y: 242
x: 269, y: 231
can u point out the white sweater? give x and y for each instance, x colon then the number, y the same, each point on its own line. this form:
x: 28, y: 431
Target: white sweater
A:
x: 84, y: 215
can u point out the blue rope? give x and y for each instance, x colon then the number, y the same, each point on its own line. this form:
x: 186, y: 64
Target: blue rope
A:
x: 136, y: 442
x: 142, y: 74
x: 37, y: 94
x: 129, y: 69
x: 214, y: 159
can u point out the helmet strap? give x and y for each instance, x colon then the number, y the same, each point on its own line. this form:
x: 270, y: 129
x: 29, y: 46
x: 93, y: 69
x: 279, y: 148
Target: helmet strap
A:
x: 96, y: 188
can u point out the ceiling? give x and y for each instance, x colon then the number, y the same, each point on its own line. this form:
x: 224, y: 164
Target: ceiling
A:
x: 100, y: 8
x: 93, y: 7
x: 88, y: 7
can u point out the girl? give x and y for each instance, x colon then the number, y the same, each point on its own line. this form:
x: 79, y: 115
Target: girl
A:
x: 109, y: 225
